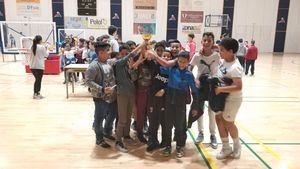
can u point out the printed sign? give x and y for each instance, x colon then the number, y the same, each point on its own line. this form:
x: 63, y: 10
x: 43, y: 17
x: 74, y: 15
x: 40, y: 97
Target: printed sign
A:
x: 145, y: 4
x: 191, y: 16
x: 97, y: 23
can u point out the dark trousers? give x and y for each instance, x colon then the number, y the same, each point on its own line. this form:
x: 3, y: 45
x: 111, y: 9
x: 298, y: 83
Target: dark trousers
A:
x: 175, y: 116
x: 38, y: 75
x: 142, y: 106
x: 156, y: 118
x: 248, y: 64
x: 104, y: 111
x: 241, y: 60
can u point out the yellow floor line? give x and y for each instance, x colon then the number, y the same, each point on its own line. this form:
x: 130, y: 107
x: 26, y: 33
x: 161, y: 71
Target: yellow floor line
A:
x: 207, y: 155
x: 274, y: 154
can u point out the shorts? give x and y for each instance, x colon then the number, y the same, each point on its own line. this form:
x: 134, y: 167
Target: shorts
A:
x: 231, y: 109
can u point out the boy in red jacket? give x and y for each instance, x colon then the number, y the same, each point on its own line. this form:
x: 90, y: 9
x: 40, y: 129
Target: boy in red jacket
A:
x: 250, y: 57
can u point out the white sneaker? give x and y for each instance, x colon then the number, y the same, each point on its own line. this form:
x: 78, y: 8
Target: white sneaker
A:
x: 237, y: 151
x: 225, y: 152
x: 38, y: 96
x: 120, y: 147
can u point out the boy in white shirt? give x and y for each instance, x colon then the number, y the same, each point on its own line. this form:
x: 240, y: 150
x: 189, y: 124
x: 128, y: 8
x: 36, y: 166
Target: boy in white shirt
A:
x: 230, y: 68
x: 207, y: 62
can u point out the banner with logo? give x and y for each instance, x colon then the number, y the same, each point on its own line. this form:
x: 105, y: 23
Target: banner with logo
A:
x: 86, y: 23
x: 97, y: 23
x: 191, y: 16
x: 28, y: 7
x: 145, y: 4
x: 144, y: 16
x: 76, y: 22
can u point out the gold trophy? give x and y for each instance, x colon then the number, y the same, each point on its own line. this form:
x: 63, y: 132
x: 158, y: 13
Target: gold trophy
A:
x: 147, y: 36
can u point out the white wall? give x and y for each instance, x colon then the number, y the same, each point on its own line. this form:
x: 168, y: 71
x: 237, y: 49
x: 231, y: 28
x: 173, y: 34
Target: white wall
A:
x: 292, y: 44
x: 12, y: 15
x: 103, y: 11
x: 213, y: 7
x: 127, y: 21
x: 256, y: 19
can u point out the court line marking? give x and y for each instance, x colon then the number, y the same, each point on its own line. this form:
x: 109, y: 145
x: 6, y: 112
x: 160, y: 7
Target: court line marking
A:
x: 255, y: 154
x: 273, y: 153
x: 201, y: 149
x: 260, y: 158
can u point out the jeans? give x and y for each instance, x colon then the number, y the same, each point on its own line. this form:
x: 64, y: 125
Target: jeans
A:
x: 104, y: 111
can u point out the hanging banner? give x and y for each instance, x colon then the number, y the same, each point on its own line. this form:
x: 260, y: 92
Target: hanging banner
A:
x: 76, y: 22
x: 145, y: 4
x: 28, y: 1
x: 97, y: 23
x: 28, y: 7
x: 191, y: 16
x: 143, y: 28
x: 144, y: 16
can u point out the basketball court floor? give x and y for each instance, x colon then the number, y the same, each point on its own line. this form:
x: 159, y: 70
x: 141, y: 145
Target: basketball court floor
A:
x: 57, y: 132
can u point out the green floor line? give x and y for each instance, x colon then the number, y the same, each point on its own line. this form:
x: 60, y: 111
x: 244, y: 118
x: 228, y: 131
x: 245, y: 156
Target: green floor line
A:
x: 199, y: 150
x: 263, y: 161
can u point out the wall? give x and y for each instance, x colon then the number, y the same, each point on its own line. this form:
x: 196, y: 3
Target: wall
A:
x: 127, y: 21
x: 213, y: 7
x: 292, y: 44
x: 256, y: 19
x: 103, y: 11
x: 12, y: 15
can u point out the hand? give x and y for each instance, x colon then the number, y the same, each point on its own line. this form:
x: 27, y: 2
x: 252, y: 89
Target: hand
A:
x: 130, y: 63
x: 194, y: 113
x: 108, y: 90
x: 160, y: 93
x: 217, y: 90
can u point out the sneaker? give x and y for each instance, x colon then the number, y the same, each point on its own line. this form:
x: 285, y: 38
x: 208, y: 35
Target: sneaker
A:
x: 130, y: 140
x: 120, y: 147
x: 102, y: 143
x: 38, y: 97
x: 167, y: 151
x: 200, y: 138
x: 225, y: 152
x: 179, y: 152
x: 152, y: 146
x: 213, y: 142
x: 110, y: 137
x: 141, y: 138
x: 237, y: 151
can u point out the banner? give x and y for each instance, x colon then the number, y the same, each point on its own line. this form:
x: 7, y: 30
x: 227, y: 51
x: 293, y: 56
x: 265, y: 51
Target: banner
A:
x: 28, y: 7
x: 76, y: 22
x: 191, y: 16
x: 142, y: 28
x: 144, y: 16
x: 97, y: 23
x: 145, y: 4
x: 28, y: 1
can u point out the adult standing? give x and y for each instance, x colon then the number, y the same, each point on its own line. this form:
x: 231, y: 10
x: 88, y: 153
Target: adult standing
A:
x: 37, y: 64
x: 250, y: 57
